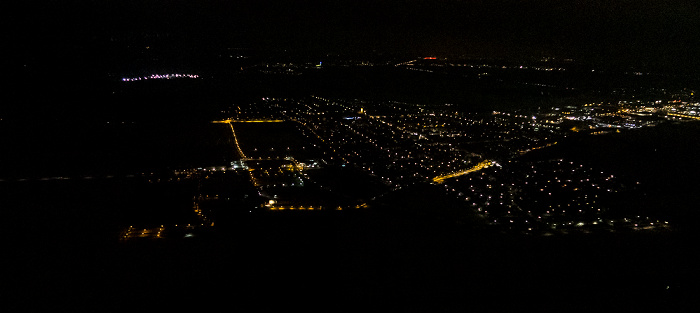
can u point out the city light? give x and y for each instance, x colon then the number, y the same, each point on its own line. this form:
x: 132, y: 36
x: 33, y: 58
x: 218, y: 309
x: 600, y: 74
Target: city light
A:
x: 160, y: 76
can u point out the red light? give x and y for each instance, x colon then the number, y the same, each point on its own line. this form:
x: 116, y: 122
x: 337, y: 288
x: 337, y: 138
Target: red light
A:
x: 430, y: 58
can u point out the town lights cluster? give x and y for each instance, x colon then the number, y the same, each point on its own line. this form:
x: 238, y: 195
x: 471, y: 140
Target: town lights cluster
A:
x: 474, y: 157
x: 160, y: 76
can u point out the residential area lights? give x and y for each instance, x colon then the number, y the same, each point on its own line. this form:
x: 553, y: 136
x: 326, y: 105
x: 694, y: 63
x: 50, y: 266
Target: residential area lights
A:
x: 403, y: 144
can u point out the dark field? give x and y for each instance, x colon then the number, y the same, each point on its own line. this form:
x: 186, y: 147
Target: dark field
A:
x: 277, y: 140
x: 70, y: 148
x: 351, y: 262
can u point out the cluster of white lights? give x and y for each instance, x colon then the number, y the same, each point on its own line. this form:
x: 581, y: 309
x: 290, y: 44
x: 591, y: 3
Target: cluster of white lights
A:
x: 159, y: 76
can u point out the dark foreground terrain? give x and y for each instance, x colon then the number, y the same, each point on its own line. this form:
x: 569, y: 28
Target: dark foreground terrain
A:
x: 68, y: 257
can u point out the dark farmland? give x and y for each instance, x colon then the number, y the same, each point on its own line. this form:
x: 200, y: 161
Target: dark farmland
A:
x: 346, y: 262
x: 277, y: 139
x: 80, y: 148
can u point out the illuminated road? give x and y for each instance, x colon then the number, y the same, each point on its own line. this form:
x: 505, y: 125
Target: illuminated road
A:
x: 478, y: 167
x: 235, y: 139
x: 685, y: 116
x: 536, y: 148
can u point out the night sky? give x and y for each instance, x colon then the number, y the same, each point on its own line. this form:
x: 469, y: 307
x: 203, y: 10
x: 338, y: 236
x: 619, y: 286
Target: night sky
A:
x: 659, y: 34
